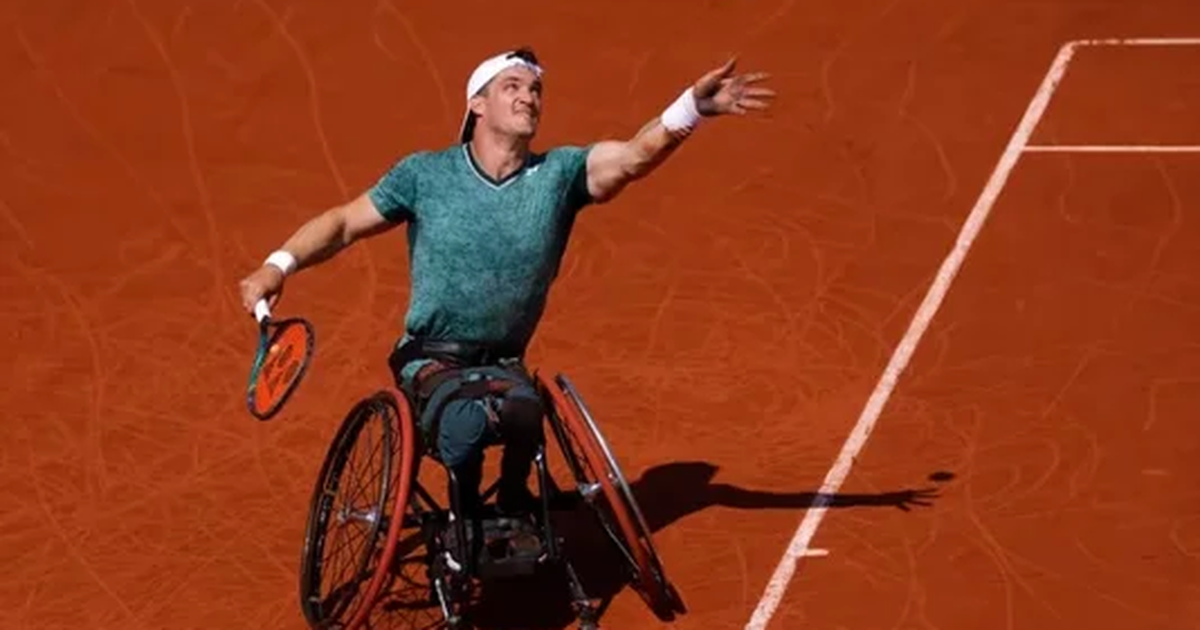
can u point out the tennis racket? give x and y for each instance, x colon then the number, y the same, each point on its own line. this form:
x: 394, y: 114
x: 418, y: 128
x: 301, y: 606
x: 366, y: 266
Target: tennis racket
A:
x: 285, y: 348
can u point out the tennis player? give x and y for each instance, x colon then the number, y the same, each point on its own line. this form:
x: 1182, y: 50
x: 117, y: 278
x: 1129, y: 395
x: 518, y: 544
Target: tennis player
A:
x: 488, y: 220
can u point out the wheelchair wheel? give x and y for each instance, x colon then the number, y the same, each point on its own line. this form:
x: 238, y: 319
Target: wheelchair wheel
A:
x: 356, y: 512
x: 604, y: 487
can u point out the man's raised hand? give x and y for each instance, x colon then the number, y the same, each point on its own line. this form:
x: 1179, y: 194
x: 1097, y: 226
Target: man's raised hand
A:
x: 721, y: 92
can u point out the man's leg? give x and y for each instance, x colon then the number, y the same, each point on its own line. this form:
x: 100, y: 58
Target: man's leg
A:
x: 468, y: 425
x: 521, y: 430
x: 463, y: 433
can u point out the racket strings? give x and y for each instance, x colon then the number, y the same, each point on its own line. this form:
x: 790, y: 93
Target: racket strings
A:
x: 275, y: 374
x: 287, y: 353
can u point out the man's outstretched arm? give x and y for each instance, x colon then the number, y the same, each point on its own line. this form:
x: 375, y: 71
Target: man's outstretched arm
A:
x: 319, y: 239
x: 613, y: 165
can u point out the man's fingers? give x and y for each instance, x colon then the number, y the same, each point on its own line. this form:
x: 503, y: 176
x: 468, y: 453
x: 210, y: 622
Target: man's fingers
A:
x: 248, y: 295
x: 250, y: 299
x: 751, y: 104
x: 761, y: 92
x: 264, y: 283
x: 754, y: 77
x: 713, y: 77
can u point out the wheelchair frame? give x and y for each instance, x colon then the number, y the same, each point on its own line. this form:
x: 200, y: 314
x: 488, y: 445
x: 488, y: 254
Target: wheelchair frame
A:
x: 452, y: 572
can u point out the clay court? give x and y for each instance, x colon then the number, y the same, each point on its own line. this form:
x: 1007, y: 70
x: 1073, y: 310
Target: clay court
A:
x: 917, y: 349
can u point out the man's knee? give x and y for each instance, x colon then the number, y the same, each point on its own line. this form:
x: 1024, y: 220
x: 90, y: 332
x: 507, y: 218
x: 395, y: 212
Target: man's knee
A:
x: 521, y: 415
x: 463, y: 431
x: 469, y: 423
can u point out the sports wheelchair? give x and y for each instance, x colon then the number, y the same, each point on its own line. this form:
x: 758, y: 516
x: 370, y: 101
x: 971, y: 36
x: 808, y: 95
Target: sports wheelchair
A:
x: 379, y: 534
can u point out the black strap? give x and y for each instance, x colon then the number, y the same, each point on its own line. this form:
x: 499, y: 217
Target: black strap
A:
x: 458, y: 359
x: 453, y: 353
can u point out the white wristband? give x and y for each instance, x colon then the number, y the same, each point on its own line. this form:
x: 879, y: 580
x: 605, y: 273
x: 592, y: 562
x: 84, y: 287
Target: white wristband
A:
x: 284, y: 261
x: 682, y: 114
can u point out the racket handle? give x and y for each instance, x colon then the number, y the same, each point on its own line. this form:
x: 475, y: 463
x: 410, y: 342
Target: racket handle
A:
x: 262, y: 311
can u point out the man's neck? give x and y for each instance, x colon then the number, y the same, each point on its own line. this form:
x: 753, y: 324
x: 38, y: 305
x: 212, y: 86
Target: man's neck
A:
x: 498, y: 157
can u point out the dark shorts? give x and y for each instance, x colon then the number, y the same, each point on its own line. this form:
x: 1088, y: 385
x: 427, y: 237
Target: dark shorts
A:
x: 462, y: 409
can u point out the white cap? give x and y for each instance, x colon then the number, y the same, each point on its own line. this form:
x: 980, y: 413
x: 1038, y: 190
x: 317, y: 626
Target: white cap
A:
x: 485, y: 72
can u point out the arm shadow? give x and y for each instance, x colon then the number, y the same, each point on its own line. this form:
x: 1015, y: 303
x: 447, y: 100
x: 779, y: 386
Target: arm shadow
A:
x: 672, y: 491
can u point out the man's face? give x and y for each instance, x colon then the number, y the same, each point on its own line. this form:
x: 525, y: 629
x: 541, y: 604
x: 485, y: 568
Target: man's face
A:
x: 511, y: 104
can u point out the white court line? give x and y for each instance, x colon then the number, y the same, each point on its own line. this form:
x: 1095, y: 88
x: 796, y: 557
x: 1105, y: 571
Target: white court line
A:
x: 1141, y: 41
x: 799, y: 546
x: 1112, y: 148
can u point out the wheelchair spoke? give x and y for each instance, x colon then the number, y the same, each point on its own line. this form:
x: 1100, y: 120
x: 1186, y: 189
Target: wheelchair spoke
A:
x: 615, y: 475
x: 380, y: 552
x: 377, y: 450
x: 603, y: 486
x: 342, y: 567
x: 619, y: 541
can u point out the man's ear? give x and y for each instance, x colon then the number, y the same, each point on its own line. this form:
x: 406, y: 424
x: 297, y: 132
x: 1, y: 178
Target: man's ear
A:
x: 476, y: 103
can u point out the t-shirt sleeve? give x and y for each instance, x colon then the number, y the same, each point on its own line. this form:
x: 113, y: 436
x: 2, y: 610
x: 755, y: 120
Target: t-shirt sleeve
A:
x: 574, y: 169
x: 395, y: 194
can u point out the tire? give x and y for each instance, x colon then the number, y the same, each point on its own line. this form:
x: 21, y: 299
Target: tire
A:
x: 385, y: 426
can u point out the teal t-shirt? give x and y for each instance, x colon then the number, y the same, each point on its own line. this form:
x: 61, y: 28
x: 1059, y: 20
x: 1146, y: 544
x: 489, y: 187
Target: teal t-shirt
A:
x: 482, y: 253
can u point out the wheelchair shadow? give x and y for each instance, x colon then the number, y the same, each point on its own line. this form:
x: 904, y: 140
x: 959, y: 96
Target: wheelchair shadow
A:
x: 665, y: 494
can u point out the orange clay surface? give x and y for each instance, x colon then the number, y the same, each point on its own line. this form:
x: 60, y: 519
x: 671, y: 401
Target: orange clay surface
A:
x: 726, y: 319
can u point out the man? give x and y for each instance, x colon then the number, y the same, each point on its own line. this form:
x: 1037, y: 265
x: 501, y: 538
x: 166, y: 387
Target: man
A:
x: 488, y: 221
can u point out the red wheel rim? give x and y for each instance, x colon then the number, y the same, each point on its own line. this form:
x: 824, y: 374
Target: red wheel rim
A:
x: 407, y: 453
x: 651, y: 581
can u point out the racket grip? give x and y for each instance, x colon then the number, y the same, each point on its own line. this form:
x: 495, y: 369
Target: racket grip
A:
x: 262, y: 310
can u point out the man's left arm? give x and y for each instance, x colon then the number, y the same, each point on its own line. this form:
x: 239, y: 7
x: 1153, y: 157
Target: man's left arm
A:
x: 613, y: 165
